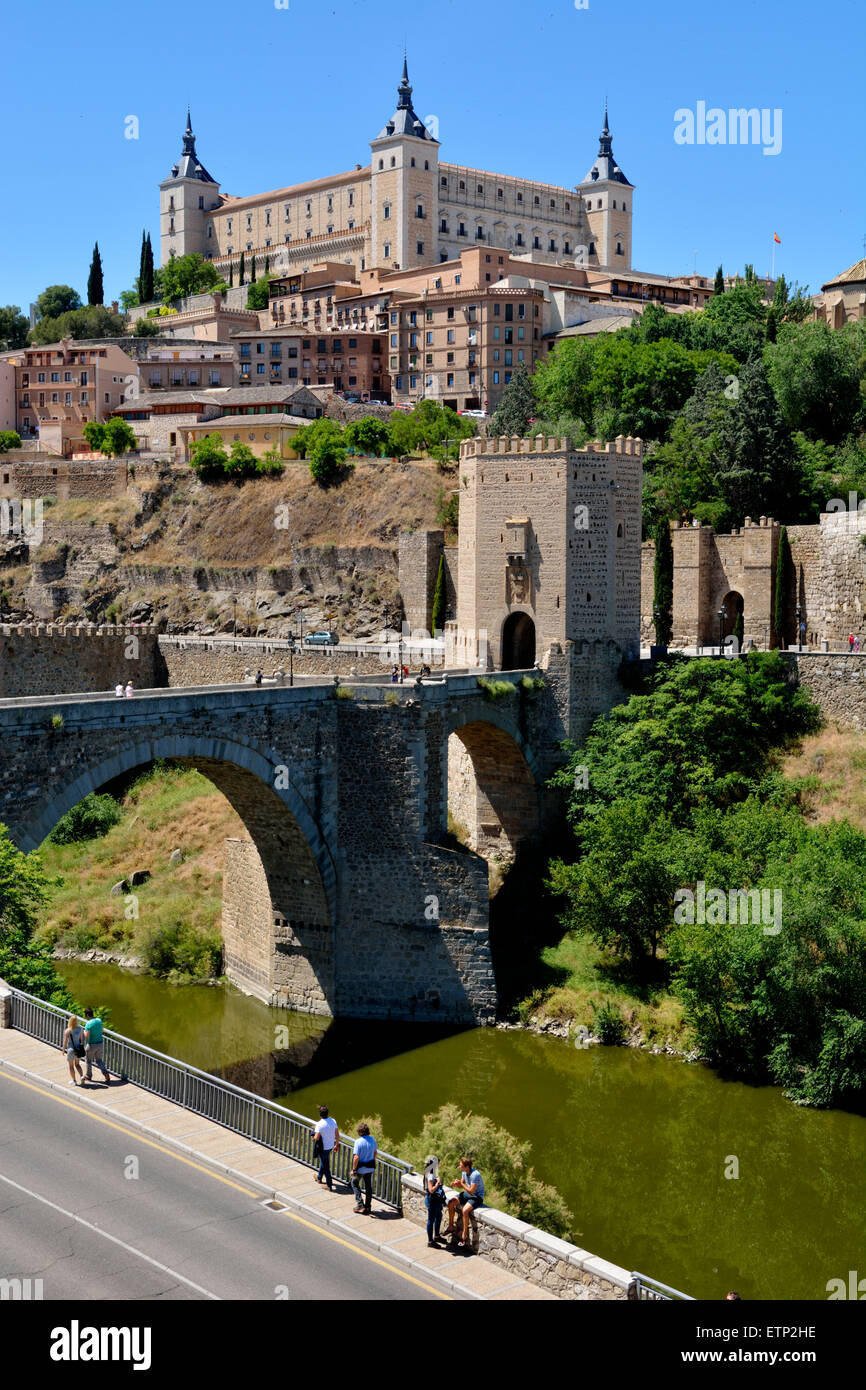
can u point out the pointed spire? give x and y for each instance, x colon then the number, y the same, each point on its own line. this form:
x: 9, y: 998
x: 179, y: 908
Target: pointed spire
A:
x: 188, y: 137
x: 604, y: 140
x: 188, y: 121
x: 404, y: 91
x: 189, y: 166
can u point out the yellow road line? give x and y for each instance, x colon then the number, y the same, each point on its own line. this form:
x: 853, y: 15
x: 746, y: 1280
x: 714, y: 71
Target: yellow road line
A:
x: 170, y: 1153
x: 349, y: 1246
x: 248, y: 1192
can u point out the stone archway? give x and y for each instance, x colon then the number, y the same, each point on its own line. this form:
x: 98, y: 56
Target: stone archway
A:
x: 518, y: 642
x: 735, y: 611
x: 279, y: 887
x: 493, y: 797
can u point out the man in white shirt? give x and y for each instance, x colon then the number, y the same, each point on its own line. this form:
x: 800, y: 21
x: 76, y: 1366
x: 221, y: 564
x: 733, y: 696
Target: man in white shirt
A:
x: 326, y: 1141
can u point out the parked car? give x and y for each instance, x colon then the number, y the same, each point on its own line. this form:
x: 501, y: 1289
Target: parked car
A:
x: 321, y: 639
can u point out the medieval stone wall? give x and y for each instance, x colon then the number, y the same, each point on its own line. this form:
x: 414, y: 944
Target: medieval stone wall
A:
x: 39, y: 660
x: 53, y: 477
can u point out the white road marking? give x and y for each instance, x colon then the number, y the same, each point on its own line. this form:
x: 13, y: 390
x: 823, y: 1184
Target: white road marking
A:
x: 114, y: 1239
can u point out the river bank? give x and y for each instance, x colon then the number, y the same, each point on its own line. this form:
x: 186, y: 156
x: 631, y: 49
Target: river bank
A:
x: 704, y: 1183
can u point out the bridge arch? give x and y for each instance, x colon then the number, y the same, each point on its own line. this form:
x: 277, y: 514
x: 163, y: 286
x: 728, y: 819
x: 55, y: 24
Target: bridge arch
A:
x: 493, y: 790
x: 280, y: 888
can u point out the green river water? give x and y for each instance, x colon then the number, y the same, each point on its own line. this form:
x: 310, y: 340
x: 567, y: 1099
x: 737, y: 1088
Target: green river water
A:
x: 638, y: 1145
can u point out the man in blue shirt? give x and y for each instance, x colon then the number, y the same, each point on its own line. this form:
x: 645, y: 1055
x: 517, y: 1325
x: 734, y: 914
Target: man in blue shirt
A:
x: 470, y: 1198
x: 363, y: 1163
x: 93, y: 1040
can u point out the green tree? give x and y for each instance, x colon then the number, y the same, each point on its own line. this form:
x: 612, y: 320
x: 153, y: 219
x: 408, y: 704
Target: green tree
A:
x: 438, y: 612
x: 9, y: 439
x: 719, y: 283
x: 401, y: 434
x: 90, y: 819
x: 327, y: 459
x: 14, y: 327
x: 816, y: 374
x: 146, y: 328
x: 516, y: 407
x: 94, y: 433
x: 367, y: 436
x: 663, y: 575
x: 119, y: 438
x: 186, y: 275
x: 57, y: 300
x: 94, y: 321
x: 129, y: 299
x: 231, y: 274
x: 621, y: 891
x: 242, y: 271
x: 95, y: 291
x: 208, y: 457
x: 267, y: 266
x: 147, y: 282
x: 257, y: 294
x: 24, y: 892
x: 253, y: 269
x: 241, y: 461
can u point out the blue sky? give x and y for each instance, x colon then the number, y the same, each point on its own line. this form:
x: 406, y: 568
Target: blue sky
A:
x: 282, y: 95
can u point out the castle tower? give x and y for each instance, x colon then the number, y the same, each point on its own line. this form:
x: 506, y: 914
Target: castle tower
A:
x: 185, y: 199
x: 404, y: 204
x: 608, y: 201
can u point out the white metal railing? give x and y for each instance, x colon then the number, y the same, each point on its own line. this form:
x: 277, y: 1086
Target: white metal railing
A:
x: 246, y: 1114
x: 647, y: 1290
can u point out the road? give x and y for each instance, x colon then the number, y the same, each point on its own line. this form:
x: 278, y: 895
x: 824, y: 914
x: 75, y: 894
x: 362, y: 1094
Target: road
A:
x: 70, y: 1215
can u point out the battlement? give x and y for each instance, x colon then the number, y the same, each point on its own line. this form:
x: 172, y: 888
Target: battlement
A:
x: 542, y: 444
x: 55, y: 630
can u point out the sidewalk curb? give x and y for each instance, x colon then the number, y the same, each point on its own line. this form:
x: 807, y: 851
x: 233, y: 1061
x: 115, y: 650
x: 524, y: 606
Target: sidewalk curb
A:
x: 312, y: 1214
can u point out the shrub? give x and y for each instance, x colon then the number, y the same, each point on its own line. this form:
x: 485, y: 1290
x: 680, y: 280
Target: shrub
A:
x: 496, y: 690
x: 92, y: 818
x: 57, y: 721
x: 609, y: 1024
x: 178, y: 949
x: 345, y: 692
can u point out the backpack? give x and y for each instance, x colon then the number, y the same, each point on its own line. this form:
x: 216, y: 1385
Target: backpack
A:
x: 435, y: 1198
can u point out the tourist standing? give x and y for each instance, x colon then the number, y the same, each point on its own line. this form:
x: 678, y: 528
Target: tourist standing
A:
x: 118, y: 689
x: 73, y: 1046
x: 434, y: 1199
x: 850, y: 641
x: 363, y: 1164
x: 93, y: 1047
x: 128, y: 691
x: 326, y: 1141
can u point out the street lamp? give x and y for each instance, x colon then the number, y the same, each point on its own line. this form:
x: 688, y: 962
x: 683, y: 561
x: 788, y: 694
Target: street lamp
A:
x: 723, y: 617
x: 235, y: 615
x: 656, y: 621
x: 291, y: 659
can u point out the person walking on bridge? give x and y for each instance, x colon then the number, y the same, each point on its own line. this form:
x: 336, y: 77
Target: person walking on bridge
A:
x: 73, y: 1046
x: 93, y: 1037
x: 363, y: 1163
x: 326, y: 1143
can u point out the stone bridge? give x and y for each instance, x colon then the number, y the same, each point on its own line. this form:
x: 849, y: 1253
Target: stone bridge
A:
x: 349, y: 897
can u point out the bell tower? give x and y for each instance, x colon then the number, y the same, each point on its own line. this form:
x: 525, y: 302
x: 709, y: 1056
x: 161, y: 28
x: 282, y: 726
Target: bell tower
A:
x: 186, y: 198
x: 404, y: 172
x: 608, y: 204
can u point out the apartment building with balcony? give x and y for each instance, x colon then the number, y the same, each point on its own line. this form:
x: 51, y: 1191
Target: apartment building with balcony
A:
x: 61, y: 386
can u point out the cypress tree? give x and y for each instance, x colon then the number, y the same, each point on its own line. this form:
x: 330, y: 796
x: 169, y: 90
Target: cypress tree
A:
x: 267, y: 266
x: 739, y: 626
x: 148, y: 273
x: 783, y: 560
x: 438, y: 614
x: 231, y: 274
x: 242, y: 271
x: 142, y: 265
x: 95, y: 292
x: 253, y: 271
x: 719, y: 285
x: 663, y: 595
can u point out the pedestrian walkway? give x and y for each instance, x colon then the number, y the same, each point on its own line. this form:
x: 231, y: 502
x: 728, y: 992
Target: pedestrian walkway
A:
x: 284, y: 1180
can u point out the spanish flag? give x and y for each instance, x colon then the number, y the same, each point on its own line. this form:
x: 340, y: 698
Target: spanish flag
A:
x: 777, y: 239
